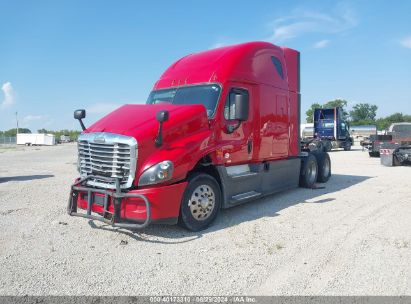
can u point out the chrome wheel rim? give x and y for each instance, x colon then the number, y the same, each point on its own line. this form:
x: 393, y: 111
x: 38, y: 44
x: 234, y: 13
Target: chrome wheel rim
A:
x: 312, y: 172
x: 202, y: 202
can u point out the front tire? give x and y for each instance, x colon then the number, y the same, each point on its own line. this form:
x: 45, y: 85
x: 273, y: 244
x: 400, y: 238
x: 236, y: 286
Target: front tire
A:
x: 347, y: 146
x: 201, y: 202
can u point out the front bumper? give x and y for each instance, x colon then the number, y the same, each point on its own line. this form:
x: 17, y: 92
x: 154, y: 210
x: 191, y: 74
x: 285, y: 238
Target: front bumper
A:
x: 134, y: 209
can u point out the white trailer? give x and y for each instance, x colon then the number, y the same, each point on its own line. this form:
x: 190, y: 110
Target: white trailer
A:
x: 361, y: 132
x: 36, y: 139
x: 307, y: 130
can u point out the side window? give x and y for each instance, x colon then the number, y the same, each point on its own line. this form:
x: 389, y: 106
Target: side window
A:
x: 278, y: 66
x: 229, y: 107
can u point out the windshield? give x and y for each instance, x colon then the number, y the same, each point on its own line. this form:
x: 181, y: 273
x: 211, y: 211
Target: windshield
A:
x: 206, y: 95
x: 326, y: 124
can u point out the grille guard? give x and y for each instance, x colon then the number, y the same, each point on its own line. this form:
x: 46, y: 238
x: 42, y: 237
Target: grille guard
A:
x: 116, y: 220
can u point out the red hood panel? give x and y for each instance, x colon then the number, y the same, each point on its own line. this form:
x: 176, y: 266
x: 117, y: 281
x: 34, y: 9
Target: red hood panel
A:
x: 140, y: 121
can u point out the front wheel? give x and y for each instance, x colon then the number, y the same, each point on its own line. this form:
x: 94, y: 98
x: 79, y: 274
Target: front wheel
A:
x: 201, y: 202
x: 347, y: 146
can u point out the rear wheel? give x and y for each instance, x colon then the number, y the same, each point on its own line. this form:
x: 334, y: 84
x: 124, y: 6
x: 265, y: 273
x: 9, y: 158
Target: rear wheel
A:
x: 327, y: 146
x: 324, y: 167
x: 309, y: 172
x: 201, y: 202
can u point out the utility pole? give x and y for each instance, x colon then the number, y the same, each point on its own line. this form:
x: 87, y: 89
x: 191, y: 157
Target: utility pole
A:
x: 17, y: 122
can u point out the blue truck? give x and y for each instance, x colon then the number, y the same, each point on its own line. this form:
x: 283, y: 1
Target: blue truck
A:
x: 331, y: 131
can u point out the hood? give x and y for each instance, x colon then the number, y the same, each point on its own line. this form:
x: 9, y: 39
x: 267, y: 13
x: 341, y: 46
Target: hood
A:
x: 139, y: 121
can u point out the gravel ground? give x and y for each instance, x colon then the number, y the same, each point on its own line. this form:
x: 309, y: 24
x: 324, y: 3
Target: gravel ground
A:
x: 351, y: 237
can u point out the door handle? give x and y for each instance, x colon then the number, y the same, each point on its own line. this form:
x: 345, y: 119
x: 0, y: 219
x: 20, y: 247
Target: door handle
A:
x: 249, y: 146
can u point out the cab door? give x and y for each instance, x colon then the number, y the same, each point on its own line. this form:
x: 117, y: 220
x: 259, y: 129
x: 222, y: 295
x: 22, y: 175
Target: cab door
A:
x: 281, y: 125
x: 237, y: 136
x: 274, y: 123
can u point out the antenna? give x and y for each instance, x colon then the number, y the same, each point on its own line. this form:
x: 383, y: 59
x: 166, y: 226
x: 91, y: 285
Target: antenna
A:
x: 17, y: 123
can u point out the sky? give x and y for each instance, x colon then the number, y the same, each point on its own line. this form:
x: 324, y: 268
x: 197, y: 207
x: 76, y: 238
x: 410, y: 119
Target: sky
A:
x: 58, y: 56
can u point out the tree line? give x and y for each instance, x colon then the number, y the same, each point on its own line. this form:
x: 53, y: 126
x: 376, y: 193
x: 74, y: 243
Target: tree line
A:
x: 12, y: 133
x: 360, y: 114
x: 72, y: 133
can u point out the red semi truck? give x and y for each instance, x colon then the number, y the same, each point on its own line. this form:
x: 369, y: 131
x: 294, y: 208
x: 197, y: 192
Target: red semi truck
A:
x: 220, y: 128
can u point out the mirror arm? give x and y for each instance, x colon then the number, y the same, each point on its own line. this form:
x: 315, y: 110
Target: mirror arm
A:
x: 161, y: 116
x: 82, y: 124
x: 159, y: 138
x: 231, y: 129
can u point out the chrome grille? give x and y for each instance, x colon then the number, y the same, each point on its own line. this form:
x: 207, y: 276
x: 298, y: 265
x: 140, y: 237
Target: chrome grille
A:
x: 107, y: 157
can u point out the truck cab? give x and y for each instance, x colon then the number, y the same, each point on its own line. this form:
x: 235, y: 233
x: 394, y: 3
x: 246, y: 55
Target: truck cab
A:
x: 219, y: 128
x: 401, y: 128
x: 331, y: 129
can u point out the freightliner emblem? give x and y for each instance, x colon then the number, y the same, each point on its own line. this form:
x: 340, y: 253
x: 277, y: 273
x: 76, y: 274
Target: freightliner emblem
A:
x: 99, y: 140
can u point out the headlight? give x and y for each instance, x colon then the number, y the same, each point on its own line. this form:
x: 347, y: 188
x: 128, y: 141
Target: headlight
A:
x: 156, y: 174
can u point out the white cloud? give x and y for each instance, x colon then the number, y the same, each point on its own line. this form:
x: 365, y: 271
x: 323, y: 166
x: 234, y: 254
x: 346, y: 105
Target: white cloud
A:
x: 406, y: 42
x: 218, y: 45
x: 29, y: 118
x: 321, y: 44
x: 9, y: 96
x: 224, y: 41
x: 34, y: 120
x: 102, y: 108
x: 302, y: 22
